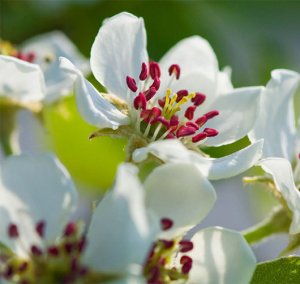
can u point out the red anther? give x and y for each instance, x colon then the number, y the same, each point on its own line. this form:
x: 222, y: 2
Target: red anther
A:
x: 170, y: 136
x: 166, y: 224
x: 181, y: 94
x: 30, y: 57
x: 211, y: 132
x: 168, y: 244
x: 23, y: 266
x: 189, y: 113
x: 212, y: 114
x: 186, y: 268
x: 151, y: 115
x: 53, y: 251
x: 140, y: 101
x: 144, y: 72
x: 156, y: 83
x: 13, y: 231
x: 185, y: 259
x: 8, y: 272
x: 185, y: 131
x: 198, y: 99
x: 163, y: 121
x: 131, y: 84
x: 192, y: 124
x: 174, y: 121
x: 40, y: 228
x: 36, y: 251
x: 154, y: 70
x: 154, y: 275
x: 70, y: 229
x: 150, y: 93
x: 199, y: 137
x: 162, y: 102
x: 201, y: 120
x: 174, y: 69
x: 69, y: 247
x: 185, y: 246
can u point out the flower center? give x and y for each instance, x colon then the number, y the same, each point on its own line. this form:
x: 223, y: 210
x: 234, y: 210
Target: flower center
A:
x: 55, y: 263
x: 6, y: 48
x: 160, y: 267
x: 173, y: 115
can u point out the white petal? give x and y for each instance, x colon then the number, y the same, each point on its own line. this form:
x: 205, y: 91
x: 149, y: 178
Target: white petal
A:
x: 282, y: 173
x: 228, y: 166
x: 224, y: 81
x: 20, y: 80
x: 221, y: 256
x: 238, y: 111
x: 119, y: 51
x: 120, y: 234
x: 193, y: 53
x: 276, y: 121
x: 179, y: 192
x: 35, y: 188
x: 92, y: 106
x: 51, y: 46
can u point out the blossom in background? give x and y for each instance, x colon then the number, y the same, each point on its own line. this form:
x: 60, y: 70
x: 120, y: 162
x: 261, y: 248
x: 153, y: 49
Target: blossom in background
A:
x: 133, y: 245
x: 35, y: 68
x: 276, y: 124
x: 37, y: 197
x: 184, y: 96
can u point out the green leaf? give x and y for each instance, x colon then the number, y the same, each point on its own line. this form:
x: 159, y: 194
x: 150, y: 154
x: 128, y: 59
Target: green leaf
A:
x: 282, y: 270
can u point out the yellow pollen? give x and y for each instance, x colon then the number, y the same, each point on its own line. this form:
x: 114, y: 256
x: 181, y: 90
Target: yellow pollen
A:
x: 6, y: 48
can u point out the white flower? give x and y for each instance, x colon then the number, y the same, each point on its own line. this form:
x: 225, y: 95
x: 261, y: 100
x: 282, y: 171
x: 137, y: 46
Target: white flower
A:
x: 277, y: 126
x: 142, y: 95
x: 34, y: 66
x: 37, y: 197
x: 125, y: 224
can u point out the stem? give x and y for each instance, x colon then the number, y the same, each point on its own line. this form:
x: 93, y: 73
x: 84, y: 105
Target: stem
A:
x: 277, y: 222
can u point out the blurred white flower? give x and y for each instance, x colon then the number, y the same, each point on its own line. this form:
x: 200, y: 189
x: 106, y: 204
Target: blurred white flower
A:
x: 276, y: 124
x: 185, y: 96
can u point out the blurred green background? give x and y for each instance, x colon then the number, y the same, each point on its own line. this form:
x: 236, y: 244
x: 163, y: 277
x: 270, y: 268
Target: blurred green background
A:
x: 253, y: 37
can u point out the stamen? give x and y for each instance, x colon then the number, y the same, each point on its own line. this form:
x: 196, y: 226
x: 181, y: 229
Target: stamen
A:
x: 36, y: 251
x: 211, y: 114
x: 174, y: 69
x: 192, y: 124
x: 189, y: 113
x: 186, y: 246
x: 70, y: 229
x: 168, y: 244
x: 154, y: 70
x: 131, y: 84
x: 156, y: 83
x: 40, y: 228
x: 53, y: 251
x: 211, y: 132
x: 166, y: 224
x: 181, y: 94
x: 144, y: 72
x: 185, y: 131
x: 187, y: 263
x: 198, y: 99
x: 140, y: 101
x: 199, y: 137
x: 13, y: 231
x: 23, y: 266
x: 201, y: 120
x: 150, y: 93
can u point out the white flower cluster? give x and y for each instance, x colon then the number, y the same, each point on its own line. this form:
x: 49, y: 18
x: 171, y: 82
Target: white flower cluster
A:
x: 170, y: 111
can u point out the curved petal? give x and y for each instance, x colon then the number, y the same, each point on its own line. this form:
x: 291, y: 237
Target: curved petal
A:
x: 92, y: 106
x: 238, y: 111
x: 214, y: 169
x: 282, y: 173
x: 276, y: 121
x: 179, y: 192
x: 47, y: 48
x: 221, y: 256
x: 20, y: 80
x: 119, y: 51
x: 193, y: 53
x: 120, y: 235
x: 224, y: 81
x: 32, y: 189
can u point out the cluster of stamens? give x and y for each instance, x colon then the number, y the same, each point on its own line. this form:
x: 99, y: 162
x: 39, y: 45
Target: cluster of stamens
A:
x: 159, y: 118
x: 6, y: 48
x: 160, y: 267
x: 55, y: 263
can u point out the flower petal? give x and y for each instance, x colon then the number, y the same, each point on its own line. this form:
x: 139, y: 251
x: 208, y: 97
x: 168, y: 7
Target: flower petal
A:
x: 221, y: 256
x: 47, y: 48
x: 92, y: 106
x: 34, y: 188
x: 224, y: 81
x: 120, y: 234
x: 276, y: 121
x: 179, y: 192
x: 282, y: 173
x: 214, y: 169
x: 119, y: 51
x: 193, y: 53
x: 238, y: 111
x: 20, y: 80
